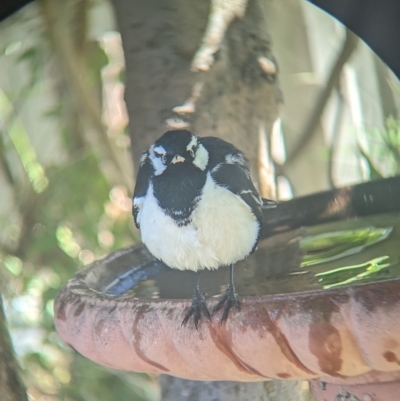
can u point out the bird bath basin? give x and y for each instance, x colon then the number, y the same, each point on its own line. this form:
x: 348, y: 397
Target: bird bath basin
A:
x: 320, y: 301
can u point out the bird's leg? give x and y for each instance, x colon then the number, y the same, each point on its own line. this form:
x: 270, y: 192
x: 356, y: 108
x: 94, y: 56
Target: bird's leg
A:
x: 198, y: 305
x: 229, y: 299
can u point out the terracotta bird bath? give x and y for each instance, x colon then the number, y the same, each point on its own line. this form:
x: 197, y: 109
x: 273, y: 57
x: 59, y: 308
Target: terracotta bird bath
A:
x: 320, y: 301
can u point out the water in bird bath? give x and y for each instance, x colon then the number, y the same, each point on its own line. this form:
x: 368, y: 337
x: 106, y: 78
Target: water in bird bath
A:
x: 348, y: 252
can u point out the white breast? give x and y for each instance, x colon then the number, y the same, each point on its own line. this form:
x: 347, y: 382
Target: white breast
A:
x: 223, y: 230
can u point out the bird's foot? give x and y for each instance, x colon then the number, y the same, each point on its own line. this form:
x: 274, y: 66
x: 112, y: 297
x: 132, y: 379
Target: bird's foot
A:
x: 197, y: 308
x: 229, y: 299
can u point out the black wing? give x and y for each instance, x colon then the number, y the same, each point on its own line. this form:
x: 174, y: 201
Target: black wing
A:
x: 269, y: 204
x: 236, y: 178
x: 145, y: 173
x: 218, y: 149
x: 230, y: 169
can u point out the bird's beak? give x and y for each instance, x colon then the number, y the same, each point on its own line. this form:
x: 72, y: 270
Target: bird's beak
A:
x: 177, y: 159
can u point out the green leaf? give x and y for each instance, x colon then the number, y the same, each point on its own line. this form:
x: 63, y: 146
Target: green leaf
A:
x: 28, y: 54
x: 374, y: 174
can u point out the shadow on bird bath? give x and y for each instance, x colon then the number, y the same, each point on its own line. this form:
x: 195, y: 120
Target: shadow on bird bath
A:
x: 320, y: 298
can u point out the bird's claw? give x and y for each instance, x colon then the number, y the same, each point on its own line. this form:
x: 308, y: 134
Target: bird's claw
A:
x: 197, y: 308
x: 229, y: 299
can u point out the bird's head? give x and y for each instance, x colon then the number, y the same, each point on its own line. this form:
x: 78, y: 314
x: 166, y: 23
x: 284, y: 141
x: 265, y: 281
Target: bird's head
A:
x: 177, y: 148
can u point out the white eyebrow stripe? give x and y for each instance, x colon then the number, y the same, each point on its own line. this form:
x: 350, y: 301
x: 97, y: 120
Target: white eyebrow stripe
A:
x: 156, y: 161
x: 160, y: 150
x: 192, y: 143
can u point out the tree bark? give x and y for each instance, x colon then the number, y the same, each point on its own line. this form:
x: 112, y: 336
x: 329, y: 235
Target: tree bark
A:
x: 11, y: 386
x: 236, y: 100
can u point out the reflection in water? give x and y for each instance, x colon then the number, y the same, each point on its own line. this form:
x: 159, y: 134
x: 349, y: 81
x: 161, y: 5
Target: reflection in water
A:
x: 329, y: 246
x: 347, y: 252
x: 337, y: 277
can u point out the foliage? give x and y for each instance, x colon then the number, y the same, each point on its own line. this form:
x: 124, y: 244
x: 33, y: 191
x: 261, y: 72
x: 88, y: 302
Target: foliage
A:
x: 65, y: 191
x: 64, y: 209
x: 381, y: 152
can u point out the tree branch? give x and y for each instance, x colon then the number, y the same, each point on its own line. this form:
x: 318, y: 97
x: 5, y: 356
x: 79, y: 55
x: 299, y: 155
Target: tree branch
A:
x: 73, y: 65
x: 307, y: 132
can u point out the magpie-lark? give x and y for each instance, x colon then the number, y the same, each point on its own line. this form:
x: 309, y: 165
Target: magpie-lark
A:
x: 197, y: 208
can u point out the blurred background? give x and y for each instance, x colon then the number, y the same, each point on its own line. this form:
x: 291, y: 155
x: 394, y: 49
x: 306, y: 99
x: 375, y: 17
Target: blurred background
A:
x: 66, y: 173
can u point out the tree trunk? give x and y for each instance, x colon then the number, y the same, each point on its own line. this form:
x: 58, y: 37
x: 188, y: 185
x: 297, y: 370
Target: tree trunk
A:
x: 11, y: 386
x: 236, y: 100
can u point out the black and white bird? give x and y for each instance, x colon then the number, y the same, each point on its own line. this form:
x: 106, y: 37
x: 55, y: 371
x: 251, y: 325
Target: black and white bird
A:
x: 197, y: 208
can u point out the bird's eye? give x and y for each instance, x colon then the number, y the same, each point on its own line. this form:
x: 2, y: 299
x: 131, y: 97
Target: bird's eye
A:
x: 193, y: 150
x: 164, y: 159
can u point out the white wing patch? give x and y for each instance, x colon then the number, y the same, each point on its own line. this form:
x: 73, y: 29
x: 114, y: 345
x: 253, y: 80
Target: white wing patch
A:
x: 257, y: 199
x: 253, y: 195
x: 235, y: 159
x: 215, y: 169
